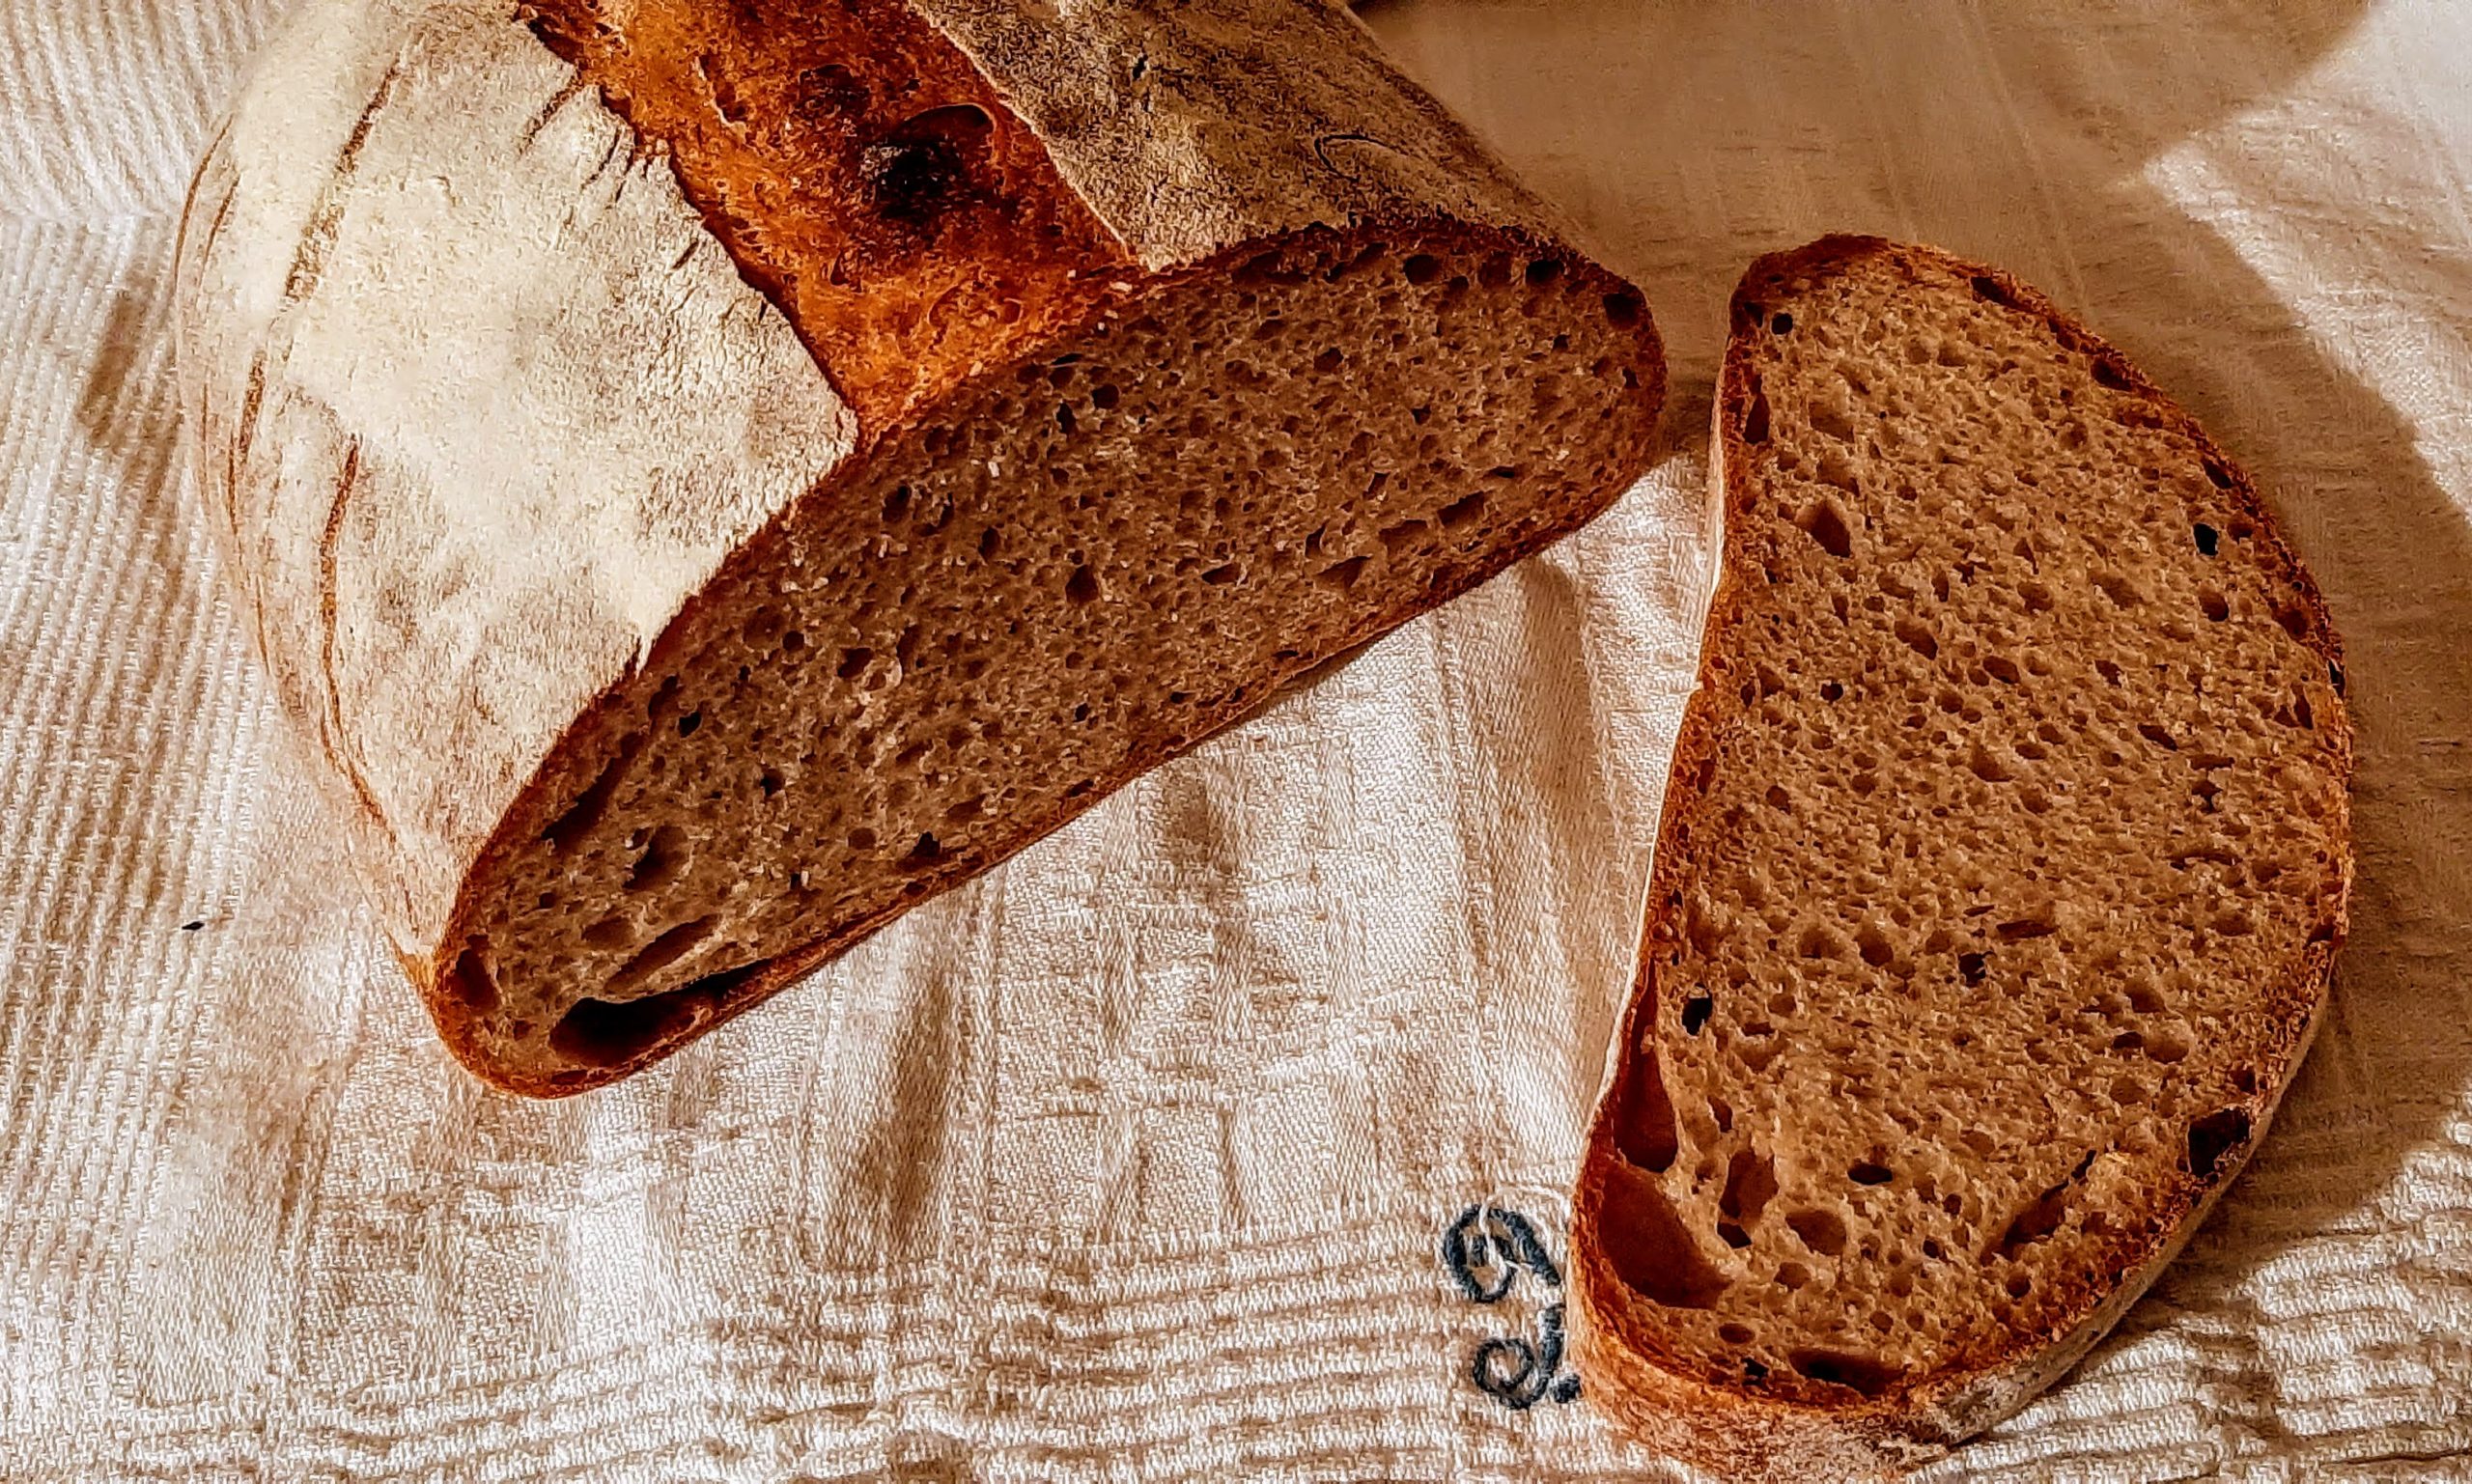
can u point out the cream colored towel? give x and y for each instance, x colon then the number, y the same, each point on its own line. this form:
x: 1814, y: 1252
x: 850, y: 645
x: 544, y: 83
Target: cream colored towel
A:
x: 1224, y: 1134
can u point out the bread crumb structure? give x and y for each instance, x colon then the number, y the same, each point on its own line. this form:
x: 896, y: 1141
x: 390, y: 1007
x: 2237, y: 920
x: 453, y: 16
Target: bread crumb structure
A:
x: 2003, y: 863
x: 1082, y: 568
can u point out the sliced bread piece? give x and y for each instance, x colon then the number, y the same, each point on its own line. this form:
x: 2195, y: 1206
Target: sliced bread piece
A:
x: 2004, y: 860
x: 709, y: 475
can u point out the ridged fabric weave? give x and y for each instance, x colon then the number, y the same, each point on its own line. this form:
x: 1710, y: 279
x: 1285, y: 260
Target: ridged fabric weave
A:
x: 1153, y: 1154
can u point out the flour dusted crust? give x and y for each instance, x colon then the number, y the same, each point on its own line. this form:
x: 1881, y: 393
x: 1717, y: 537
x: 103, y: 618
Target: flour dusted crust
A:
x: 1830, y: 1415
x: 476, y: 403
x: 506, y: 326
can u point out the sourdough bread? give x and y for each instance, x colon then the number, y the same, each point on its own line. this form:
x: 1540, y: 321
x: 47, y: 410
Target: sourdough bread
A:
x: 2004, y: 860
x: 708, y: 475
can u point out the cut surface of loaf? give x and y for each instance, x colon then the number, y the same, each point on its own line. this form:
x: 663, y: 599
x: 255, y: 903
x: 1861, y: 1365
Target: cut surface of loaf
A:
x: 708, y: 475
x: 2003, y: 864
x: 1077, y: 569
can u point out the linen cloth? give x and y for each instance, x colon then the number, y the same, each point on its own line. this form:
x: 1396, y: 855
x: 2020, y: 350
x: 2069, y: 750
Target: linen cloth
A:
x: 1188, y: 1144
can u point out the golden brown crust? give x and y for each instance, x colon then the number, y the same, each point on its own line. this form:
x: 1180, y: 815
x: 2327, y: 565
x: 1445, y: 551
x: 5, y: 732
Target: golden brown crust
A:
x: 1787, y: 1427
x: 861, y: 172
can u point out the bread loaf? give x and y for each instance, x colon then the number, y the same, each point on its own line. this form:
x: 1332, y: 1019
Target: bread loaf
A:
x: 708, y: 475
x: 2003, y: 863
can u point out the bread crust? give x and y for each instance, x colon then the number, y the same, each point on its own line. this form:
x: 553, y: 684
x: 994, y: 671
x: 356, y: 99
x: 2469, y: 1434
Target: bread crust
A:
x: 1794, y: 1430
x: 698, y: 263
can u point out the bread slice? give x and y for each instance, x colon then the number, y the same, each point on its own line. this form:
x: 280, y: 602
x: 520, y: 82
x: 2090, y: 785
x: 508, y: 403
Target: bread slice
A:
x: 2003, y: 862
x: 709, y: 475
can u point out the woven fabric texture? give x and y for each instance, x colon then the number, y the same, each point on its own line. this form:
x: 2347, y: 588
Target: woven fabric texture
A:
x: 1225, y: 1133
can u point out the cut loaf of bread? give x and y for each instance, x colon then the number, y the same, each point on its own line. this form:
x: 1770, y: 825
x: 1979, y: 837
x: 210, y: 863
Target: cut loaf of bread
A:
x: 2004, y: 860
x: 708, y: 475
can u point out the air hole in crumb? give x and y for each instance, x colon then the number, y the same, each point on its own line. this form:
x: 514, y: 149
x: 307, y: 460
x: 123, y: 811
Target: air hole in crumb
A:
x: 594, y: 801
x: 662, y: 952
x: 1783, y: 324
x: 1824, y: 523
x: 1543, y: 271
x: 1840, y: 1368
x: 923, y: 853
x: 762, y: 628
x: 770, y: 781
x: 1755, y: 418
x: 896, y: 504
x: 1875, y: 947
x: 2108, y: 670
x: 610, y: 932
x: 2154, y: 733
x: 854, y: 662
x: 1823, y: 1231
x: 1832, y: 692
x: 2207, y: 538
x: 1648, y: 1247
x: 1405, y: 533
x: 2220, y: 476
x: 1734, y: 1335
x: 1993, y: 289
x: 862, y: 839
x: 1460, y: 512
x: 662, y: 862
x: 687, y: 723
x: 1341, y: 574
x: 1791, y: 1277
x: 2215, y: 606
x: 1082, y: 587
x: 1751, y: 1182
x: 1623, y: 309
x: 610, y: 1033
x: 1645, y: 1131
x: 2019, y: 1285
x: 2294, y: 621
x: 2213, y: 1137
x: 1866, y: 1172
x: 2000, y: 668
x: 2123, y: 593
x: 2110, y: 373
x: 1696, y: 1012
x: 470, y: 981
x: 2040, y: 923
x: 1918, y: 636
x: 1329, y: 360
x: 2041, y: 1217
x: 1970, y: 967
x: 1221, y: 577
x: 1422, y: 268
